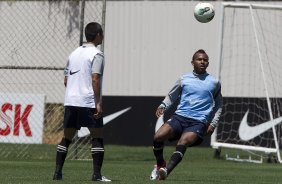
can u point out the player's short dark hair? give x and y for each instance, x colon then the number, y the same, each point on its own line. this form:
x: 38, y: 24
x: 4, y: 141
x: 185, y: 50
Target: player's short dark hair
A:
x: 91, y: 30
x: 201, y: 51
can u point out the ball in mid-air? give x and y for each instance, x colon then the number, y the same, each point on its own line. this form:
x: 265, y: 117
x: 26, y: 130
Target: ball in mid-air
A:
x: 204, y: 12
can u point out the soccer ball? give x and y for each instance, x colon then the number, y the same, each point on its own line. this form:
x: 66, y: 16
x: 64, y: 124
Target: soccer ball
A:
x: 204, y: 12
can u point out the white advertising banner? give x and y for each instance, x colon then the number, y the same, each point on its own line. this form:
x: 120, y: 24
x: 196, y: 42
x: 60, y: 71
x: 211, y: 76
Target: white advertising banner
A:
x: 21, y: 118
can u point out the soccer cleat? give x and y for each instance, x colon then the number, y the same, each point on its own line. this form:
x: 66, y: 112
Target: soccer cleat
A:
x: 58, y: 176
x: 162, y: 173
x: 100, y: 178
x: 155, y: 173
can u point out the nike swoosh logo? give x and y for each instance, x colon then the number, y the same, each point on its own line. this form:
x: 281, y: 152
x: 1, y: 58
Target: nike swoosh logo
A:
x: 84, y: 130
x: 110, y: 117
x: 71, y: 73
x: 247, y: 132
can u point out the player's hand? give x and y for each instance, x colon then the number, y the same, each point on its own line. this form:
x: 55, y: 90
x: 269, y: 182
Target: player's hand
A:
x: 99, y: 111
x: 210, y: 130
x: 160, y: 111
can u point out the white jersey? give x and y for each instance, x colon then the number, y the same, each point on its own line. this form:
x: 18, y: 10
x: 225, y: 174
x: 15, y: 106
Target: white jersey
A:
x: 82, y: 63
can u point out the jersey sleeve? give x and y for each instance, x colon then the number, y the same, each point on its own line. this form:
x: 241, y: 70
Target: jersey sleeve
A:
x: 217, y: 110
x: 98, y: 64
x: 173, y: 95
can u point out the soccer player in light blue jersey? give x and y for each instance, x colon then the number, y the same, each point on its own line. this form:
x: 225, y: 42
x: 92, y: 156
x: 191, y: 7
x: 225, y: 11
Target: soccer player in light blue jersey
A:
x: 197, y: 114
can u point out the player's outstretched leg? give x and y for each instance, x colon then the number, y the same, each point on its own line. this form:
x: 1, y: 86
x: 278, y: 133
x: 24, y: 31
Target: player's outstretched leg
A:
x: 158, y: 152
x: 97, y: 151
x: 62, y: 150
x: 174, y: 160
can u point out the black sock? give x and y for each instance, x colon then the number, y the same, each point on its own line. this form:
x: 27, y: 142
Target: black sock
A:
x: 62, y: 150
x: 158, y: 148
x: 176, y: 157
x: 97, y: 151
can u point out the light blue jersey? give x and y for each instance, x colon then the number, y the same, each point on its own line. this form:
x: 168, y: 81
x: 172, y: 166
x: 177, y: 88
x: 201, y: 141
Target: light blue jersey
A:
x: 200, y: 98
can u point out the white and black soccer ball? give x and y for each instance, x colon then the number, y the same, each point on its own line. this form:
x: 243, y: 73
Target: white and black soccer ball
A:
x: 204, y: 12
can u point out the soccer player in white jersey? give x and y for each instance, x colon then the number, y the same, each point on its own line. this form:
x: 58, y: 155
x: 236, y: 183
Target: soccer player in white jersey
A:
x: 197, y: 114
x: 83, y: 100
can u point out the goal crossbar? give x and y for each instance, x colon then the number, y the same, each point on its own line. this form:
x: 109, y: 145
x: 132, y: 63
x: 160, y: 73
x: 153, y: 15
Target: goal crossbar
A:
x: 255, y: 6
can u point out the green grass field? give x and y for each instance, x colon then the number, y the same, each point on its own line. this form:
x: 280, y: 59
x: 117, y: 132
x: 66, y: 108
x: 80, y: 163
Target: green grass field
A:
x: 133, y: 165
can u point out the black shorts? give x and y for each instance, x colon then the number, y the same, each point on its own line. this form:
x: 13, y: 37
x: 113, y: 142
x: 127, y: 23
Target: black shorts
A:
x: 181, y: 125
x: 77, y: 117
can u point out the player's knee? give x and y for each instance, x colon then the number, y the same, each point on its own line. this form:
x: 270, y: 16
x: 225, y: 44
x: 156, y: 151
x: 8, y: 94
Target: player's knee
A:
x: 188, y: 139
x: 158, y: 145
x: 158, y: 137
x: 183, y: 142
x: 65, y: 141
x: 69, y: 138
x: 97, y: 142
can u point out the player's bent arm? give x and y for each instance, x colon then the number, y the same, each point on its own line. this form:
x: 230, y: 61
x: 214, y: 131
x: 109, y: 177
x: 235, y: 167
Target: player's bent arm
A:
x: 172, y: 96
x: 97, y: 73
x: 66, y: 73
x: 96, y: 84
x: 217, y: 110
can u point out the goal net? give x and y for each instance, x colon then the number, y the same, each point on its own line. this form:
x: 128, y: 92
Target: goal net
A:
x: 250, y: 72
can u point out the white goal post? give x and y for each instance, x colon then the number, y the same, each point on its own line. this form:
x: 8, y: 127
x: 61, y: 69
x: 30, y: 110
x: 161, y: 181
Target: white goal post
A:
x: 250, y: 71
